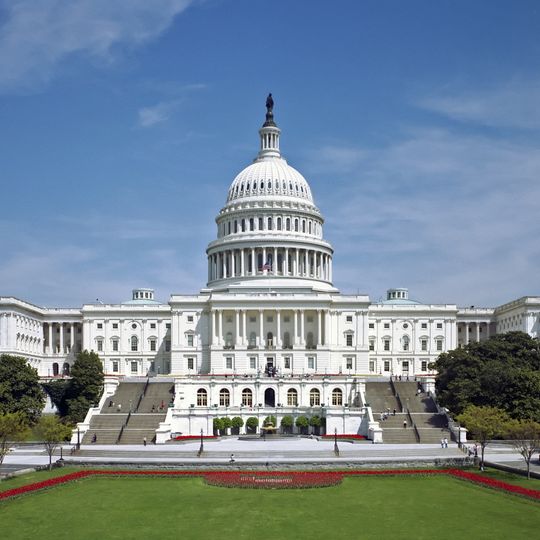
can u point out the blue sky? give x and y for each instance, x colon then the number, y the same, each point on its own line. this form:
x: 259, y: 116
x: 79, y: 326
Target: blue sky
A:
x: 416, y: 123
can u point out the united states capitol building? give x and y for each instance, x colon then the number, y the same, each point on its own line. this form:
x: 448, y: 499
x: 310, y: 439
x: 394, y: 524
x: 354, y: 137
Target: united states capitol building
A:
x: 269, y: 334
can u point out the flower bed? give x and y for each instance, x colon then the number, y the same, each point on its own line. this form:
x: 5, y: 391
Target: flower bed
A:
x: 193, y: 437
x: 275, y: 479
x: 345, y: 436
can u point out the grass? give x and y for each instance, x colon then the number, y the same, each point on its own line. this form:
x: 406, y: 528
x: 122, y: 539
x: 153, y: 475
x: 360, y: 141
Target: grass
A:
x: 365, y: 507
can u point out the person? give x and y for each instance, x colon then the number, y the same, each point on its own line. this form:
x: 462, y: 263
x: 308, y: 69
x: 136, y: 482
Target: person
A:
x: 119, y: 408
x: 442, y: 443
x: 144, y: 441
x: 231, y: 460
x: 405, y: 424
x: 94, y: 438
x: 153, y: 407
x: 394, y: 412
x: 445, y: 442
x: 111, y: 402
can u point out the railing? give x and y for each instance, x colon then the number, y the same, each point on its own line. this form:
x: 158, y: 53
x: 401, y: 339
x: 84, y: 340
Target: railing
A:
x: 413, y: 425
x: 123, y: 427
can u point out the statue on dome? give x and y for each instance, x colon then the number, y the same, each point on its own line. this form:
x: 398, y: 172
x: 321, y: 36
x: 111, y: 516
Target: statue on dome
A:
x: 269, y: 104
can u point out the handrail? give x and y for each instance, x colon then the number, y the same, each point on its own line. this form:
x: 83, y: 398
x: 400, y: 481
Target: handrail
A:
x: 400, y: 403
x: 123, y: 427
x: 416, y: 432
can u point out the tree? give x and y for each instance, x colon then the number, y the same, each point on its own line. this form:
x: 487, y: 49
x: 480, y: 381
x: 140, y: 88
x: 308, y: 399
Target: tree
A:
x: 315, y: 422
x: 302, y: 422
x: 501, y: 372
x: 270, y: 421
x: 237, y: 423
x: 226, y: 423
x: 20, y: 390
x: 217, y: 425
x: 252, y: 423
x: 525, y: 437
x: 13, y: 427
x: 52, y: 432
x: 86, y: 385
x: 57, y: 391
x: 484, y: 424
x: 287, y: 423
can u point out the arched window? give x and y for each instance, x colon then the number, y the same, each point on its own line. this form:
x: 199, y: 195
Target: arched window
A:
x: 55, y: 369
x: 288, y: 224
x: 247, y: 397
x: 252, y: 340
x: 202, y: 398
x: 134, y: 343
x: 303, y: 225
x: 314, y: 397
x: 229, y: 340
x: 405, y: 343
x: 269, y: 339
x: 65, y: 369
x: 251, y: 224
x: 243, y: 225
x: 287, y: 340
x: 296, y: 225
x: 292, y: 397
x: 279, y: 224
x: 235, y: 226
x: 337, y: 396
x: 269, y: 223
x: 309, y: 227
x: 224, y: 397
x: 309, y: 341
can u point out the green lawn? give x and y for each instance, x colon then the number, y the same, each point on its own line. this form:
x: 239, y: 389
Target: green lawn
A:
x: 360, y: 508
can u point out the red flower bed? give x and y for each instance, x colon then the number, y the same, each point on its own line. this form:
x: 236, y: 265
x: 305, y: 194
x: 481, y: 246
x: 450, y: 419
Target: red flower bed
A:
x: 193, y: 437
x: 275, y: 479
x: 345, y: 436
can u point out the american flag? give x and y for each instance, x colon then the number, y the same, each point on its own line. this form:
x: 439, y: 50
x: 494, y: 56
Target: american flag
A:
x: 267, y: 266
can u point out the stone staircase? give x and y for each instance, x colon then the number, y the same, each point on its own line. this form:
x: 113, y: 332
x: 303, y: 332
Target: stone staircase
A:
x: 132, y: 414
x: 431, y: 427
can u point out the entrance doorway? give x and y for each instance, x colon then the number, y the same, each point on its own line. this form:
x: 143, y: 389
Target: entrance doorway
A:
x: 269, y: 398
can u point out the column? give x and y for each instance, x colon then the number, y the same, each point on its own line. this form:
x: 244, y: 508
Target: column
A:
x: 51, y: 348
x: 302, y: 335
x: 261, y: 341
x: 306, y: 263
x: 477, y: 332
x: 61, y: 344
x: 319, y: 328
x: 233, y: 263
x: 330, y: 267
x: 220, y: 327
x: 466, y: 328
x: 264, y: 258
x: 213, y: 322
x: 72, y: 338
x: 295, y: 269
x: 278, y: 337
x: 244, y: 327
x: 242, y: 262
x: 252, y: 255
x: 274, y: 263
x: 295, y: 328
x: 237, y: 328
x: 286, y: 262
x: 487, y: 330
x: 223, y: 267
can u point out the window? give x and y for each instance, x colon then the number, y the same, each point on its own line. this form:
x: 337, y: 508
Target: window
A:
x: 405, y: 325
x: 405, y: 343
x: 423, y: 344
x: 115, y: 326
x: 168, y: 326
x: 134, y: 326
x: 314, y: 397
x: 349, y: 318
x: 229, y: 362
x: 311, y: 362
x: 337, y: 396
x: 439, y: 344
x: 253, y: 362
x: 247, y: 397
x: 202, y: 398
x: 191, y: 363
x: 424, y: 325
x: 115, y: 345
x: 190, y: 318
x: 292, y: 397
x: 287, y: 363
x: 153, y: 326
x: 372, y: 365
x: 134, y: 367
x: 387, y: 325
x: 100, y: 326
x: 386, y: 344
x: 134, y: 344
x: 387, y: 365
x: 439, y: 325
x: 153, y: 343
x: 224, y: 397
x: 349, y: 363
x: 190, y: 340
x: 115, y: 366
x: 424, y: 365
x: 349, y: 339
x: 371, y: 344
x: 168, y: 345
x: 99, y: 345
x: 372, y: 325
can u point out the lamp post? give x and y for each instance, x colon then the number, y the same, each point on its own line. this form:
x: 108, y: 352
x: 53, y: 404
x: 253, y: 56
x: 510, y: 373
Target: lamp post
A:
x: 336, y: 449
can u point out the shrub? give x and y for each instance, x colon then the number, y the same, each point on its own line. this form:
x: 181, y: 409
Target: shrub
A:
x: 287, y: 423
x: 237, y: 423
x: 302, y: 422
x: 252, y: 423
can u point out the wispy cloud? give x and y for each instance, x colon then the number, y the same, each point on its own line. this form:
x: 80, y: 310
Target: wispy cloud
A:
x: 515, y: 104
x: 38, y: 35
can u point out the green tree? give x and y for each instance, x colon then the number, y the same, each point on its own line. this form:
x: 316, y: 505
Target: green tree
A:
x: 484, y: 424
x: 237, y: 423
x: 20, y: 390
x: 287, y: 423
x: 501, y: 372
x: 86, y: 385
x: 270, y: 421
x: 57, y: 391
x: 226, y: 423
x: 303, y: 423
x: 316, y: 422
x: 218, y: 425
x: 13, y: 427
x: 252, y: 423
x: 525, y: 437
x: 52, y: 432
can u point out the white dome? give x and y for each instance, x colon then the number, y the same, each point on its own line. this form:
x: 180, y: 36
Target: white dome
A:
x: 270, y: 177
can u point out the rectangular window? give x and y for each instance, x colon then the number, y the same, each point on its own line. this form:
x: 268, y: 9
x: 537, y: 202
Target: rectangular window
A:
x: 387, y: 365
x: 115, y: 326
x: 349, y: 339
x: 372, y: 325
x: 423, y: 344
x: 168, y: 326
x: 424, y: 325
x: 387, y: 325
x: 99, y: 345
x: 190, y: 318
x: 153, y: 326
x: 439, y: 325
x: 115, y: 345
x: 424, y: 365
x: 252, y: 319
x: 439, y: 345
x: 168, y: 346
x: 349, y: 318
x: 190, y: 340
x: 311, y: 362
x: 371, y: 344
x: 349, y: 363
x: 134, y: 367
x: 190, y: 363
x: 386, y: 344
x: 100, y: 326
x: 152, y: 344
x: 253, y: 362
x: 229, y: 362
x: 372, y: 366
x: 287, y: 363
x: 115, y: 366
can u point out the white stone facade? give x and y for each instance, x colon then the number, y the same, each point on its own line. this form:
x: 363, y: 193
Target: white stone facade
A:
x: 270, y: 334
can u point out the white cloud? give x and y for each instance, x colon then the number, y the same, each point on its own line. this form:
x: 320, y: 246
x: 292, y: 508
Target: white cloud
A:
x: 39, y: 34
x: 515, y: 104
